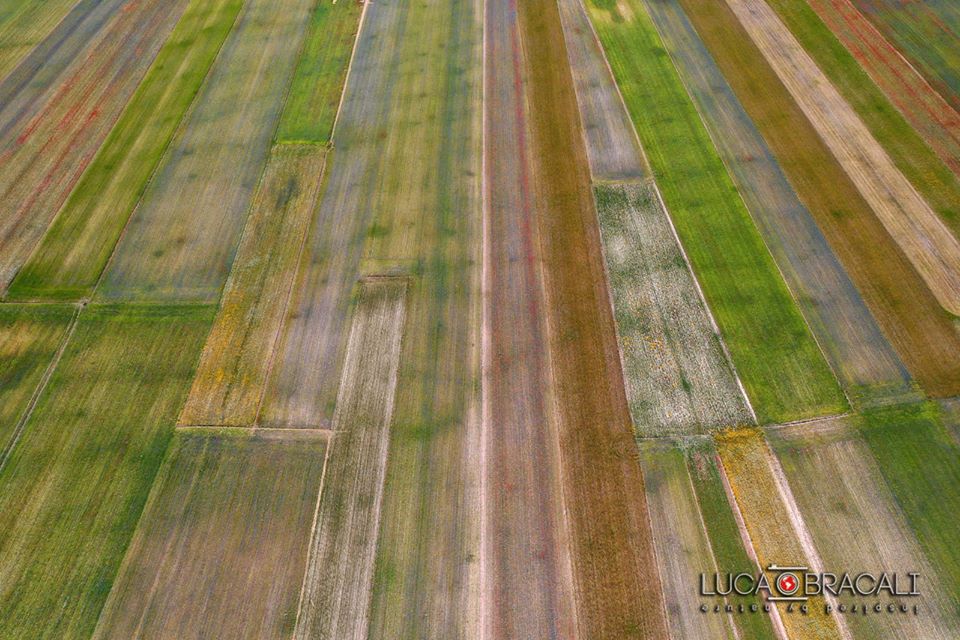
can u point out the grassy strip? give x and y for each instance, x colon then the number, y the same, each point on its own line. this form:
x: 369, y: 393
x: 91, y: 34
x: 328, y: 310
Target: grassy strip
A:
x: 311, y: 106
x: 931, y: 177
x: 69, y: 259
x: 785, y: 374
x: 921, y: 463
x: 728, y: 549
x: 227, y: 511
x: 29, y: 337
x: 73, y: 488
x: 907, y: 312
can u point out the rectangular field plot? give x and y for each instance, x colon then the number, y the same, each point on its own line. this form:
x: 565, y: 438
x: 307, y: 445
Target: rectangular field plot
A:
x: 339, y: 576
x: 317, y: 86
x: 233, y: 369
x: 840, y: 489
x: 903, y: 306
x: 222, y: 544
x: 71, y: 256
x: 24, y: 24
x: 30, y: 336
x: 677, y: 376
x: 43, y: 155
x: 779, y: 363
x: 865, y: 363
x: 180, y: 242
x: 73, y: 488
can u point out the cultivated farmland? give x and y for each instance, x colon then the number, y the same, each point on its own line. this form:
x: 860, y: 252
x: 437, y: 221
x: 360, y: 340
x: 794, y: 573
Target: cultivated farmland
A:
x: 225, y: 523
x: 478, y: 319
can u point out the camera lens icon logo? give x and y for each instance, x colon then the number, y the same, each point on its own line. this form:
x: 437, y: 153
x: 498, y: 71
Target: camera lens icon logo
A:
x: 788, y: 584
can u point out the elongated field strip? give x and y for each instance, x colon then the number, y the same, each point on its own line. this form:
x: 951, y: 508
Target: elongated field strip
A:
x: 865, y: 363
x: 683, y: 548
x: 677, y: 376
x: 527, y: 582
x: 43, y: 157
x: 24, y: 24
x: 73, y: 488
x: 317, y: 85
x: 71, y: 256
x: 922, y: 236
x: 233, y: 368
x: 932, y: 116
x: 180, y: 242
x: 611, y: 142
x: 778, y: 361
x: 926, y: 33
x: 840, y: 489
x: 221, y: 547
x: 337, y: 585
x: 909, y: 315
x: 775, y: 531
x: 30, y: 336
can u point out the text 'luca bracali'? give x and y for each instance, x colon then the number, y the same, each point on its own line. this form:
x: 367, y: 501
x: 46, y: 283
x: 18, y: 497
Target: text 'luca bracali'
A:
x: 859, y: 593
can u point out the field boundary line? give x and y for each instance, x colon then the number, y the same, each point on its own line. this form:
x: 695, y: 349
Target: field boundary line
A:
x: 346, y: 79
x: 166, y: 149
x: 313, y: 529
x: 778, y: 627
x: 41, y: 386
x: 485, y: 338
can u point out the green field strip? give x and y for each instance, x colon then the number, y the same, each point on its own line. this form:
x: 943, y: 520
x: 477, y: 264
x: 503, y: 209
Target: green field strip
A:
x: 938, y: 185
x: 30, y: 337
x: 337, y: 584
x: 781, y: 367
x: 233, y: 369
x: 73, y: 488
x: 311, y: 107
x: 920, y: 461
x: 908, y: 314
x: 682, y: 546
x: 75, y: 249
x: 180, y: 242
x: 840, y: 489
x: 24, y: 23
x: 721, y: 527
x: 863, y: 360
x: 222, y: 543
x: 677, y: 375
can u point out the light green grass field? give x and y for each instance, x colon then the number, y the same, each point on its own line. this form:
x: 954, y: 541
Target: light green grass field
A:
x: 69, y: 259
x: 72, y: 491
x: 23, y: 24
x: 311, y: 106
x: 779, y: 363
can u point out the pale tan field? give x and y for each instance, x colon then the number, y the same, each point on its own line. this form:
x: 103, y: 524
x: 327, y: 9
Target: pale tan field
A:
x: 221, y: 547
x: 923, y: 237
x: 237, y: 355
x: 335, y: 600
